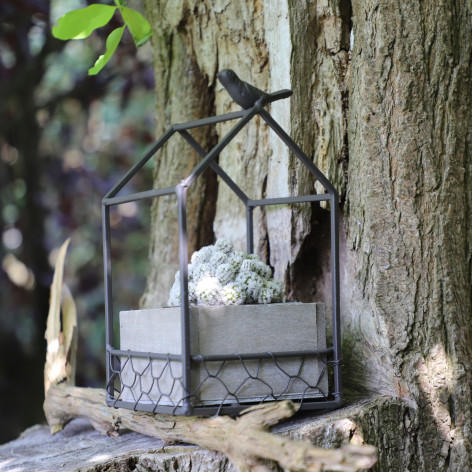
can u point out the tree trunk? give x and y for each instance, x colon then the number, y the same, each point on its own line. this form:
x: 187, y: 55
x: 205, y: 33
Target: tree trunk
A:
x: 273, y: 46
x: 389, y: 123
x: 409, y: 219
x: 184, y: 93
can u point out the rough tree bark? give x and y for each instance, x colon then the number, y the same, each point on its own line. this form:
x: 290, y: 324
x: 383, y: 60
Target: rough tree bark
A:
x: 274, y: 46
x: 409, y: 218
x: 389, y: 122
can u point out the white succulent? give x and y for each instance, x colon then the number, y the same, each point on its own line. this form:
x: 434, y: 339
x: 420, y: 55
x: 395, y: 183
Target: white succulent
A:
x: 192, y: 293
x: 222, y: 275
x: 200, y: 271
x: 233, y: 294
x: 265, y: 295
x: 253, y: 284
x: 262, y: 269
x: 203, y: 255
x: 190, y: 272
x: 225, y: 273
x: 277, y: 292
x: 224, y: 245
x: 236, y: 258
x: 247, y: 265
x: 174, y: 295
x: 218, y: 258
x: 208, y: 291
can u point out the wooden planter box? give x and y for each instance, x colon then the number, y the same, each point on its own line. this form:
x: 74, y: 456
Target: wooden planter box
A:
x: 225, y: 330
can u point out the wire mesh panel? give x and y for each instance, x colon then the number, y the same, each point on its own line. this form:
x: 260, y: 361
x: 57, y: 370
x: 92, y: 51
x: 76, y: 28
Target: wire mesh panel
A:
x: 189, y: 364
x: 144, y: 383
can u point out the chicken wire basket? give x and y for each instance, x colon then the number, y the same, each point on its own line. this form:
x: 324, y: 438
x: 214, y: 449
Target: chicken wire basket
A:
x: 197, y: 360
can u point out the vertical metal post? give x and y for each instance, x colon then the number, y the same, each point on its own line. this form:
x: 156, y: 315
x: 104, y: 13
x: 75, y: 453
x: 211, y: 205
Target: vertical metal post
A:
x: 335, y: 296
x: 108, y: 292
x: 184, y: 305
x: 249, y: 230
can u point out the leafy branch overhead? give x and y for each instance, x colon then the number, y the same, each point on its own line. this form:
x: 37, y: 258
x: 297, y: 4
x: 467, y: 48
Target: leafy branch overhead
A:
x: 79, y: 24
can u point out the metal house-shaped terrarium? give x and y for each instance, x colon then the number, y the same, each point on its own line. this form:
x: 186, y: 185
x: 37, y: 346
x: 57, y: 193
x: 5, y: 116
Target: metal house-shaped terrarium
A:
x: 179, y: 360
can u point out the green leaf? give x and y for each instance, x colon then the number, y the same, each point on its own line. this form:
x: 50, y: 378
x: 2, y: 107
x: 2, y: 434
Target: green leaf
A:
x: 112, y: 42
x: 79, y: 24
x: 138, y: 25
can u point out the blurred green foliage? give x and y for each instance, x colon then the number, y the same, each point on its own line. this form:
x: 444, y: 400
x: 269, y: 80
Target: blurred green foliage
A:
x: 65, y: 139
x: 80, y: 23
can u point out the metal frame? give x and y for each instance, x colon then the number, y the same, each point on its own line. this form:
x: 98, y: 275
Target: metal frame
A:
x: 180, y: 190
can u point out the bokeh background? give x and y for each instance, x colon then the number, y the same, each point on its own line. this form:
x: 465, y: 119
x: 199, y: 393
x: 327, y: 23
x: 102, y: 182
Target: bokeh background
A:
x: 65, y: 139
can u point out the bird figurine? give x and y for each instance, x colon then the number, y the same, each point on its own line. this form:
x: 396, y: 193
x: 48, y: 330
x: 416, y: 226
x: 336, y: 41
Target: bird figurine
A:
x: 245, y: 94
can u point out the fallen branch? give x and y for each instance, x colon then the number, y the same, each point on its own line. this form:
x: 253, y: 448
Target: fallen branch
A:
x: 246, y: 440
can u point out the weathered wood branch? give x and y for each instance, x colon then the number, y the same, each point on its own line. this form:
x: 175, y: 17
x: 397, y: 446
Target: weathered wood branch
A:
x: 245, y: 440
x: 61, y: 331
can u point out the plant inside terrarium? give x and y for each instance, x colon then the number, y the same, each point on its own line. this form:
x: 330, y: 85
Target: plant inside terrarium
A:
x: 222, y: 275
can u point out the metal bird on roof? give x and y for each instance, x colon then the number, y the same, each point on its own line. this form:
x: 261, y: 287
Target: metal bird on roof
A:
x: 245, y: 94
